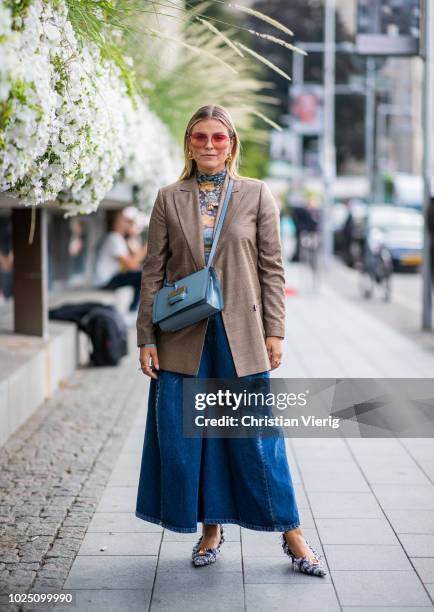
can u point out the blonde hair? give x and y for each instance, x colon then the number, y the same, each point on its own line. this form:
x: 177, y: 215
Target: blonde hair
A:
x: 212, y: 111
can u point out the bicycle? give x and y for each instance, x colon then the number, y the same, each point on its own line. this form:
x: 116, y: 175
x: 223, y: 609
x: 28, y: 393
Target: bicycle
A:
x: 376, y: 268
x: 310, y: 242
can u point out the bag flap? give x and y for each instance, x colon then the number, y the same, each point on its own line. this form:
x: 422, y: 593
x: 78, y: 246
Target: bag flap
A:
x: 193, y: 287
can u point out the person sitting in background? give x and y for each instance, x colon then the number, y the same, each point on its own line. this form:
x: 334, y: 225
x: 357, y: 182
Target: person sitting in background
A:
x: 6, y: 258
x: 116, y: 266
x: 138, y: 221
x: 6, y: 272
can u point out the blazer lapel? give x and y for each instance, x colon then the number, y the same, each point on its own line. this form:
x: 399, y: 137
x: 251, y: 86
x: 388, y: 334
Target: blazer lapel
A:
x: 187, y: 206
x: 233, y: 205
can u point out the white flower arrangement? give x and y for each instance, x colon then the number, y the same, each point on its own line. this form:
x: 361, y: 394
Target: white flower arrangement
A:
x: 27, y: 97
x: 67, y: 122
x: 161, y: 158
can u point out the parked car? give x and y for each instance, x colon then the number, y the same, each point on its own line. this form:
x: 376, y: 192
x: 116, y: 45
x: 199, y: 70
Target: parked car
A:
x: 400, y: 229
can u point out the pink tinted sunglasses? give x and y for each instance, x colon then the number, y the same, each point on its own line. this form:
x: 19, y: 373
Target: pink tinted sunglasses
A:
x: 219, y: 139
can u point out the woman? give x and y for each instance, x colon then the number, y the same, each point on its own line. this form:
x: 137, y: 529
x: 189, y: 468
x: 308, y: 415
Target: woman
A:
x: 215, y: 480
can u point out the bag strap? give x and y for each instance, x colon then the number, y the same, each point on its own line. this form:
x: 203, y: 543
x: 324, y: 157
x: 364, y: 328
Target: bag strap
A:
x: 220, y: 222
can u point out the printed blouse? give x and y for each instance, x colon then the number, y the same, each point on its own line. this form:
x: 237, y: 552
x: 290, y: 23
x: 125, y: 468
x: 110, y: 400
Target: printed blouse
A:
x: 210, y: 189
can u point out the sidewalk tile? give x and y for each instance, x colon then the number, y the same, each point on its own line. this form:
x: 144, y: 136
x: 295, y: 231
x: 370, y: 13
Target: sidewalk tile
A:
x: 203, y: 589
x: 418, y: 545
x: 344, y: 505
x: 316, y: 596
x: 133, y: 572
x: 118, y: 499
x: 398, y: 470
x: 321, y: 445
x: 133, y: 447
x: 375, y: 531
x: 409, y: 497
x: 427, y: 465
x: 107, y: 601
x: 120, y: 522
x: 329, y: 466
x: 366, y: 557
x: 265, y: 543
x: 124, y: 479
x: 383, y: 447
x: 419, y: 521
x: 308, y: 458
x: 128, y: 460
x: 306, y: 518
x: 136, y: 433
x: 422, y: 449
x: 300, y: 495
x: 126, y: 470
x: 334, y: 482
x: 366, y: 588
x: 120, y: 544
x: 425, y: 568
x: 386, y: 609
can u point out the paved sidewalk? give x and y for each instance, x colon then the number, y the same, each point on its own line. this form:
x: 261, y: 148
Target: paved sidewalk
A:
x: 54, y: 469
x: 367, y: 504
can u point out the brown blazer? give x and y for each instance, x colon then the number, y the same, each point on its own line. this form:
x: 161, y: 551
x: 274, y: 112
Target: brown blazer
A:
x: 248, y: 262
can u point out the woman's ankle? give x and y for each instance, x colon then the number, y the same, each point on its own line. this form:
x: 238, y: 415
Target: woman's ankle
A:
x: 210, y: 528
x: 294, y: 532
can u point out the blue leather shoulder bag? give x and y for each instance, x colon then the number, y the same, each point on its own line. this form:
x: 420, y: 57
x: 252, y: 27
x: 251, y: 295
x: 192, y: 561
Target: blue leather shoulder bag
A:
x: 194, y: 297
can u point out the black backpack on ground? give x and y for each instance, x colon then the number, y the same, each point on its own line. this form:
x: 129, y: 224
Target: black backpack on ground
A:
x: 103, y: 324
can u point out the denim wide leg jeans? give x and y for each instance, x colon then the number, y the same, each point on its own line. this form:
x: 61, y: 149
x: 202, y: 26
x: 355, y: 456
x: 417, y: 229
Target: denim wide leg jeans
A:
x: 184, y: 481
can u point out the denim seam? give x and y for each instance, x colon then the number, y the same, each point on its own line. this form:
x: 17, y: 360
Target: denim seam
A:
x: 157, y: 397
x: 215, y: 521
x: 264, y: 473
x: 250, y: 525
x: 152, y: 519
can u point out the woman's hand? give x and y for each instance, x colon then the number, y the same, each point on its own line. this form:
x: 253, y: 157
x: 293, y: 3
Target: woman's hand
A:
x: 149, y: 361
x: 274, y: 348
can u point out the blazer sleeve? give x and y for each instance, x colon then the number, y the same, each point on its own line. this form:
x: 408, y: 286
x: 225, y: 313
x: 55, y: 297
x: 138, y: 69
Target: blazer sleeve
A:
x: 153, y: 271
x: 270, y: 268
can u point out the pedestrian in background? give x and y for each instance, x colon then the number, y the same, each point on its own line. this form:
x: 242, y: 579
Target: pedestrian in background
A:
x: 347, y: 233
x: 430, y: 226
x: 245, y: 481
x: 116, y: 266
x: 304, y: 215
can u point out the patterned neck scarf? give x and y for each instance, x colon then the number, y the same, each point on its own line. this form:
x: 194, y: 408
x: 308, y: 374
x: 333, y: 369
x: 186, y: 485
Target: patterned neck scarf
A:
x: 210, y: 189
x: 217, y: 179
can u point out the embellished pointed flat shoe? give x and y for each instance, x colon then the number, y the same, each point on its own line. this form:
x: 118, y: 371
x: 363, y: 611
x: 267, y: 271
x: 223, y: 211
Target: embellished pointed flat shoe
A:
x: 304, y: 564
x: 209, y: 555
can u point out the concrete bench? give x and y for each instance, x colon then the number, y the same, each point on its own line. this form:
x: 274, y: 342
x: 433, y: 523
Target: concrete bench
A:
x: 32, y: 368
